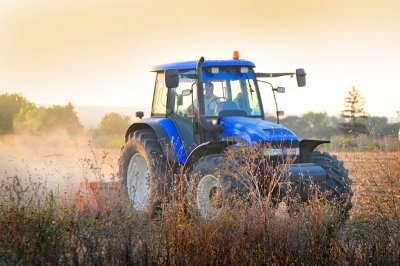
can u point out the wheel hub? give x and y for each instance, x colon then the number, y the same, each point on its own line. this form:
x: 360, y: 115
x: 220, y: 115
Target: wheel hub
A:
x: 209, y: 196
x: 138, y: 182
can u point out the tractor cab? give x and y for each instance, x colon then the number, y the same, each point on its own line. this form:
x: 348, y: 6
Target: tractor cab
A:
x: 226, y: 88
x: 198, y: 95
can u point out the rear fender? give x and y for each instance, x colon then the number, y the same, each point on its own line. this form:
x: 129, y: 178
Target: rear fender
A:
x: 206, y: 148
x: 308, y: 145
x: 167, y: 136
x: 135, y: 127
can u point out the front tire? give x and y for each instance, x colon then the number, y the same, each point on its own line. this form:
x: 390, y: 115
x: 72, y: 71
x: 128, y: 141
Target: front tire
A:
x: 212, y: 187
x: 142, y: 170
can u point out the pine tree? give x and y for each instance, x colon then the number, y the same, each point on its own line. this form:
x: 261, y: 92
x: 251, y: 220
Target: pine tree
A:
x: 354, y: 105
x: 353, y: 111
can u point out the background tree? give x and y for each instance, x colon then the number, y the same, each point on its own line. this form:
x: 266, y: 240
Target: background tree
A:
x: 110, y: 131
x: 38, y: 120
x: 62, y: 117
x: 113, y: 124
x: 354, y: 105
x: 352, y: 113
x: 312, y: 125
x: 10, y: 105
x: 320, y: 125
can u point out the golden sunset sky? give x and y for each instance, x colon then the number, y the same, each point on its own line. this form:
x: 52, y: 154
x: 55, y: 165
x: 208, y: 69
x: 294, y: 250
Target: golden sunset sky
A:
x: 100, y: 52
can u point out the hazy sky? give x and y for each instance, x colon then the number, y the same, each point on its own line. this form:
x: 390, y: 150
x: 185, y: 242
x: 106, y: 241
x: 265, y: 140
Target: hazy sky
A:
x: 100, y: 52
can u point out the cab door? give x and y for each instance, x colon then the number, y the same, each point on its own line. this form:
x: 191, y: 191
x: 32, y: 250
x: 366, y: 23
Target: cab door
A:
x: 182, y: 107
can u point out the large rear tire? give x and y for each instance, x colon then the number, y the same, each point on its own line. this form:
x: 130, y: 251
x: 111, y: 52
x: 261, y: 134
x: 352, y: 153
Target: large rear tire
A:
x: 338, y: 184
x: 142, y: 170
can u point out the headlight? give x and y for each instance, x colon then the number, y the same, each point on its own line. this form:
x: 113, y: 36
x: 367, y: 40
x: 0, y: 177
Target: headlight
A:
x: 281, y: 152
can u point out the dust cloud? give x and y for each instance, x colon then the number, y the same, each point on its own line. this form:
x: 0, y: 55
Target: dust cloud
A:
x: 58, y: 162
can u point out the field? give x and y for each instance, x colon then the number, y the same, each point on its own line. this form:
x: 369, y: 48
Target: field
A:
x: 38, y: 224
x: 375, y: 177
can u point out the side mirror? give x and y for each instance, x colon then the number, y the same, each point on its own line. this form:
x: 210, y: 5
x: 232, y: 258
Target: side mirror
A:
x: 186, y: 92
x: 301, y: 77
x: 171, y: 78
x: 139, y: 114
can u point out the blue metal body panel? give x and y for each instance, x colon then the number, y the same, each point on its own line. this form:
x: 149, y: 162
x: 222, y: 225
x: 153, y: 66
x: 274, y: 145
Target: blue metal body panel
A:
x: 207, y: 63
x: 253, y: 130
x: 173, y: 137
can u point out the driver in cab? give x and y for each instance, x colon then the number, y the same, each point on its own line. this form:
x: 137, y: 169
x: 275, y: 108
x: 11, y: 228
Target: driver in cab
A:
x: 211, y: 101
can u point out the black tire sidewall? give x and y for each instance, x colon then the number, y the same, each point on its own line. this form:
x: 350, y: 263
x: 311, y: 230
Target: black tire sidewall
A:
x: 132, y: 147
x: 338, y: 183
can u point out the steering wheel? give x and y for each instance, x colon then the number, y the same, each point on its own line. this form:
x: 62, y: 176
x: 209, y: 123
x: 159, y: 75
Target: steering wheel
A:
x: 216, y: 103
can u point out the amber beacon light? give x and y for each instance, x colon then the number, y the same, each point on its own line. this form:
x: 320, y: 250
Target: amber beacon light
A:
x: 236, y: 55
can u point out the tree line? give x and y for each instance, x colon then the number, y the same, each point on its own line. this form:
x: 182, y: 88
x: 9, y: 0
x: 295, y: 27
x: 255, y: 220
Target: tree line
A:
x: 322, y: 126
x: 19, y: 115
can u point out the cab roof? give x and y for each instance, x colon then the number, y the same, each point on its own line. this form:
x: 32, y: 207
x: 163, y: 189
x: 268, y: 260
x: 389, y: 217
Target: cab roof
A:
x: 207, y: 63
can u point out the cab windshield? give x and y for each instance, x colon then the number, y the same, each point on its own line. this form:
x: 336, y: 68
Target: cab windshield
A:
x: 227, y: 90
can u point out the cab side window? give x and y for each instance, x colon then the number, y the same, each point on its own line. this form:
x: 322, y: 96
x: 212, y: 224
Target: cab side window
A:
x: 183, y: 103
x: 159, y: 108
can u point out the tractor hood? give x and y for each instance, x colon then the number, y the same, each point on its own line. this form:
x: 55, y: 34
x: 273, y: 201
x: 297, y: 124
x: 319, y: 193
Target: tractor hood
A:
x: 253, y: 130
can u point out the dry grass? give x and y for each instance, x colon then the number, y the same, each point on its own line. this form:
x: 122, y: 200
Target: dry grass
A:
x: 373, y: 234
x: 376, y: 183
x: 48, y: 231
x: 52, y: 234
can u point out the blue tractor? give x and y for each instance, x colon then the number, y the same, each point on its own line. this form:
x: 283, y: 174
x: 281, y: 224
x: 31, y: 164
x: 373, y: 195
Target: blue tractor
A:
x: 200, y: 109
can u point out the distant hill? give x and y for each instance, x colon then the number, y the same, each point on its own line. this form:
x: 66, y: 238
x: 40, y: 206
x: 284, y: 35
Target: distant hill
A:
x: 90, y: 116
